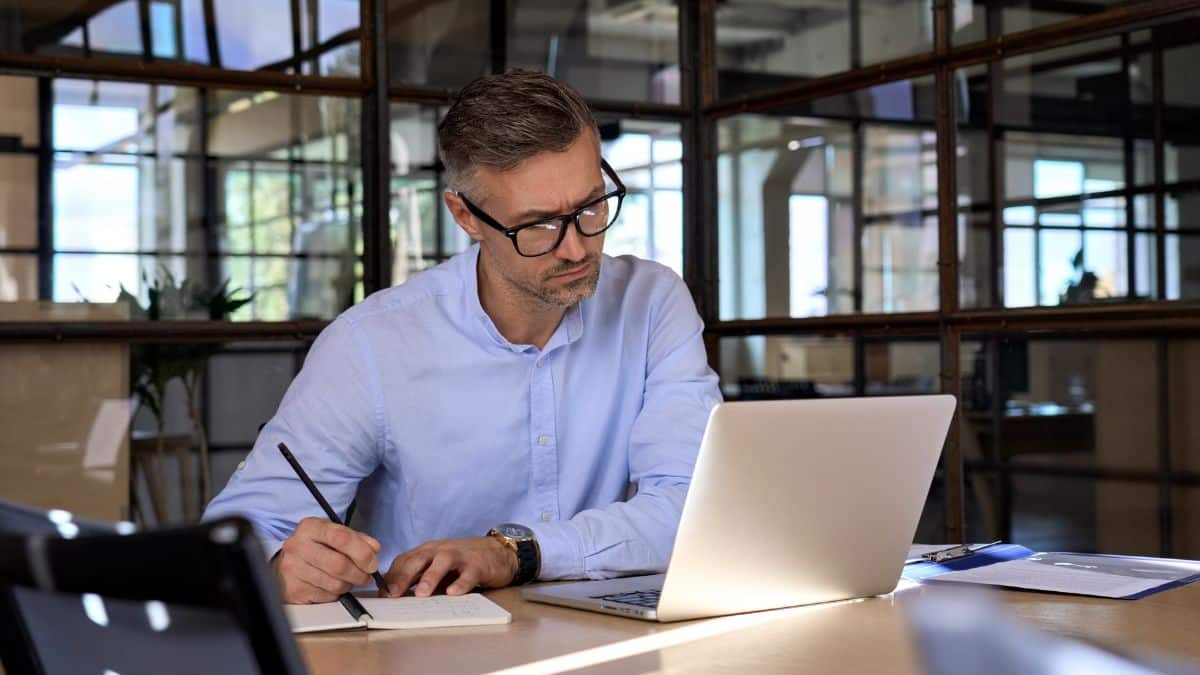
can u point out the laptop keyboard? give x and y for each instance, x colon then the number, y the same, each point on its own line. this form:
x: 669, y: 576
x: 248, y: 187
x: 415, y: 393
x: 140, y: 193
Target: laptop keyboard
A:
x: 648, y: 598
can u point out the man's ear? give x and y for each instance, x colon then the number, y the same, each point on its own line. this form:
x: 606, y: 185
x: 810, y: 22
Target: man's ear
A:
x: 462, y: 216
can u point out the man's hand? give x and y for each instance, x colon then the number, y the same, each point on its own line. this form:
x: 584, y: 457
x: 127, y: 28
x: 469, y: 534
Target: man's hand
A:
x: 322, y: 560
x: 466, y: 563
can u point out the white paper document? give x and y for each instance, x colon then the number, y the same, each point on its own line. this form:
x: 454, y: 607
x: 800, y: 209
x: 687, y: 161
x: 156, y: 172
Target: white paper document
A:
x: 1101, y: 576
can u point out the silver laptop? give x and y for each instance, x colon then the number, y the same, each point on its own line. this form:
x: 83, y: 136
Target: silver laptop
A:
x: 791, y: 503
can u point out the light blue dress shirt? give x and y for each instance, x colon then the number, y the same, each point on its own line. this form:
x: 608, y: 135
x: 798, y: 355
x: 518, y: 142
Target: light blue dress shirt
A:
x: 414, y: 400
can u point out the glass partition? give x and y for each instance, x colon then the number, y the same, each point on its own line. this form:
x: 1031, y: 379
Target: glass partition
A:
x: 829, y: 207
x: 1073, y: 153
x: 763, y: 45
x: 174, y: 186
x: 318, y: 37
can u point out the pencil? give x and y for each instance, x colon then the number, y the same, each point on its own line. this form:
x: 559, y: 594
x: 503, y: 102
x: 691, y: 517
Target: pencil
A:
x: 287, y: 454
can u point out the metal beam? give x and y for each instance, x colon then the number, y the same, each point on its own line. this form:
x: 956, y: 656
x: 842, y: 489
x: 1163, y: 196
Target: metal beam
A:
x: 996, y: 165
x: 1177, y: 478
x: 952, y: 459
x: 56, y: 30
x: 1143, y: 318
x: 1128, y: 170
x: 179, y: 74
x: 209, y: 193
x: 157, y: 331
x: 144, y: 30
x: 376, y: 152
x: 1165, y: 468
x: 924, y: 321
x: 312, y: 9
x: 312, y: 54
x: 45, y: 188
x: 951, y: 380
x: 697, y: 34
x: 297, y: 37
x: 1158, y: 88
x: 498, y: 44
x: 210, y: 34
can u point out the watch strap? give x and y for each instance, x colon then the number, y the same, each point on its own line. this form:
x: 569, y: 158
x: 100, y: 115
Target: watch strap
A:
x: 527, y: 562
x: 528, y: 557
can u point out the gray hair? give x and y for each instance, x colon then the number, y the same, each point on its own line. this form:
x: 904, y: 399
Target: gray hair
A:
x: 502, y: 120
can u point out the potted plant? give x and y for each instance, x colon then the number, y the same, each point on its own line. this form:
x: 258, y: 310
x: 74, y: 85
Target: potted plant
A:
x: 154, y: 366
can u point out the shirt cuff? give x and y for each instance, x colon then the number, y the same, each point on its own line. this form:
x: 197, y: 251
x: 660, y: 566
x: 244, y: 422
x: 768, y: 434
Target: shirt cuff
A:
x: 561, y: 546
x: 270, y: 545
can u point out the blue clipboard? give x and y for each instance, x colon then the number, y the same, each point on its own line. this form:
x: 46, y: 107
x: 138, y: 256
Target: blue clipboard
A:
x: 921, y: 571
x: 993, y: 554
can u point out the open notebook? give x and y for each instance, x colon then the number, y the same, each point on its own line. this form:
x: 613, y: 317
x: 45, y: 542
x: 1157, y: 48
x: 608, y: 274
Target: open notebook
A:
x: 438, y: 611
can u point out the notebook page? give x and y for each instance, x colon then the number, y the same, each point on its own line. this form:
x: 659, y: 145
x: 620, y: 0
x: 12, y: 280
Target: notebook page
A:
x: 323, y: 616
x: 437, y: 611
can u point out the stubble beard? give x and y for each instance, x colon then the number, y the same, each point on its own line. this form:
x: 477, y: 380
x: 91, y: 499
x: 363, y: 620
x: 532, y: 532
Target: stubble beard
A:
x: 571, y: 293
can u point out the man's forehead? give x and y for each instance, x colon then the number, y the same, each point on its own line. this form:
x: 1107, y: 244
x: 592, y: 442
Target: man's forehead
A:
x: 539, y: 192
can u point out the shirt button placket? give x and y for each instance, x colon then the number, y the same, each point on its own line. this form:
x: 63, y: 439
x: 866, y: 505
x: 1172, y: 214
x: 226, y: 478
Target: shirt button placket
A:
x: 542, y: 430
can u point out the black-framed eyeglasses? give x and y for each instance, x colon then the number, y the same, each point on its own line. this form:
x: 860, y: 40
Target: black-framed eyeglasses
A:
x: 544, y: 235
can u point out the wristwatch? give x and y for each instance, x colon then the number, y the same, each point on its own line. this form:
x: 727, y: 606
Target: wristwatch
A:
x: 521, y: 540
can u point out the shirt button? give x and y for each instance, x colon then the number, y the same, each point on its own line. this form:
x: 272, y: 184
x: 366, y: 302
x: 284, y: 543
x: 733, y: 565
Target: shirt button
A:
x: 543, y: 439
x: 242, y: 464
x: 546, y: 516
x: 538, y: 363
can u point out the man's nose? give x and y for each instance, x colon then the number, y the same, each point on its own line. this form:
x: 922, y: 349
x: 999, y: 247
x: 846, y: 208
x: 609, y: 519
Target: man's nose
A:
x: 572, y: 247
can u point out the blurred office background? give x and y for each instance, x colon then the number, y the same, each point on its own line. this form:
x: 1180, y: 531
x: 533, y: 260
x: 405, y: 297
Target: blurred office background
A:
x: 995, y: 199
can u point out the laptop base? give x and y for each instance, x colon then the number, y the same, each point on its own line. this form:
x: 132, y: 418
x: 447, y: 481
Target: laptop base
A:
x: 583, y: 595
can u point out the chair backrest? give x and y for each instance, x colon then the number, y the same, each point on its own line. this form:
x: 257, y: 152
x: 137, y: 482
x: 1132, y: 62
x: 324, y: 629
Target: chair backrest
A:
x: 196, y: 599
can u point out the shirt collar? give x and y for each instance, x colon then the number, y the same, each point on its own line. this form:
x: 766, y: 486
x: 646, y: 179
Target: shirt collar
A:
x: 569, y: 329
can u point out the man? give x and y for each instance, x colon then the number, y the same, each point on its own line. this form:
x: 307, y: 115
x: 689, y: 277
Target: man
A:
x: 528, y: 382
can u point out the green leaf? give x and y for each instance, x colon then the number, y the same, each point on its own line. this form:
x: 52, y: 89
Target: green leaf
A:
x: 152, y: 367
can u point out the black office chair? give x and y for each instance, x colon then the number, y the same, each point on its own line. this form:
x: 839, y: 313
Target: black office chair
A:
x: 196, y: 599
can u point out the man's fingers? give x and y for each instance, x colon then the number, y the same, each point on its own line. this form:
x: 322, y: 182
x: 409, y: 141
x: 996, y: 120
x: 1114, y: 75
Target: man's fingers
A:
x: 298, y: 570
x: 458, y: 565
x: 321, y: 579
x: 406, y: 569
x: 443, y: 563
x: 358, y: 547
x: 337, y: 565
x: 468, y: 579
x: 299, y: 592
x: 322, y: 560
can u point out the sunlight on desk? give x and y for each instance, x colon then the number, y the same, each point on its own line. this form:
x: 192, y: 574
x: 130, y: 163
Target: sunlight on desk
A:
x: 689, y: 632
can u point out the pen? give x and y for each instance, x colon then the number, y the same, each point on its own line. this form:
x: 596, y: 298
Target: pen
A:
x: 287, y: 454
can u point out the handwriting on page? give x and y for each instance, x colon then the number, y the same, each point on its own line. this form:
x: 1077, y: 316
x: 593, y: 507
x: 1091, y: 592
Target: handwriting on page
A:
x: 439, y: 610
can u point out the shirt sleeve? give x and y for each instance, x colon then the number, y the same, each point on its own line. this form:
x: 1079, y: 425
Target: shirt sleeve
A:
x: 331, y: 420
x: 636, y: 536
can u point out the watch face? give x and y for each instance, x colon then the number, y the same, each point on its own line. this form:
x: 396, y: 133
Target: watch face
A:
x: 514, y: 531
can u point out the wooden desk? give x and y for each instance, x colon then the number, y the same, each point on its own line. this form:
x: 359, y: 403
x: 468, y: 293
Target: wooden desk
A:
x: 867, y: 636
